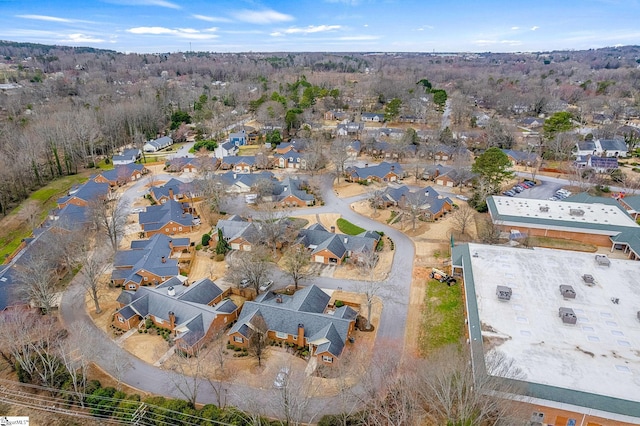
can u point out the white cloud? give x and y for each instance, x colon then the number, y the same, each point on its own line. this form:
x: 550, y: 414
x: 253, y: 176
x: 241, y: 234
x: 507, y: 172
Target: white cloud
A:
x: 82, y: 38
x: 178, y: 32
x: 365, y: 25
x: 535, y: 27
x: 359, y: 38
x: 312, y: 29
x: 262, y: 16
x: 50, y: 19
x: 515, y: 28
x: 486, y: 42
x: 211, y: 18
x: 160, y: 3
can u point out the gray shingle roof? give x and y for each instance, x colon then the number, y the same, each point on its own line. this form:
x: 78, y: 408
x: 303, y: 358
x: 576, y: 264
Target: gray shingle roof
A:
x: 291, y: 187
x: 88, y: 191
x: 284, y: 317
x: 156, y: 217
x: 236, y: 227
x: 379, y: 170
x: 145, y: 255
x: 122, y: 172
x: 611, y: 145
x: 177, y: 186
x: 320, y: 239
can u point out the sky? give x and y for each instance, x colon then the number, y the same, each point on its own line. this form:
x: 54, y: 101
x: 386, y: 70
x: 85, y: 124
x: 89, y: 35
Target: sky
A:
x: 155, y: 26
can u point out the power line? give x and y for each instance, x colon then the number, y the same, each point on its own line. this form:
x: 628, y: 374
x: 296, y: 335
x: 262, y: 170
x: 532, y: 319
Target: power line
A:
x: 136, y: 411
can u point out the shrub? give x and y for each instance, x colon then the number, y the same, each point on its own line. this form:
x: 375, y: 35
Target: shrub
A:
x: 199, y: 247
x: 339, y: 303
x: 218, y: 257
x: 237, y: 349
x: 205, y: 239
x: 230, y: 346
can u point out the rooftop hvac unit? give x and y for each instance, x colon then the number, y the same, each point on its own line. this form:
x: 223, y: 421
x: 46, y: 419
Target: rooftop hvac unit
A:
x: 588, y: 279
x: 503, y: 292
x: 576, y: 212
x: 567, y: 292
x: 602, y: 260
x: 544, y: 209
x: 567, y: 315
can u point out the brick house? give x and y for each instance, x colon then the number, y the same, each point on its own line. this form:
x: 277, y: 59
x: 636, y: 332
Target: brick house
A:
x: 239, y: 233
x: 290, y: 192
x: 148, y: 261
x: 383, y: 172
x: 121, y: 174
x: 304, y: 319
x: 431, y: 204
x: 194, y: 313
x: 330, y: 248
x: 169, y: 218
x: 85, y: 193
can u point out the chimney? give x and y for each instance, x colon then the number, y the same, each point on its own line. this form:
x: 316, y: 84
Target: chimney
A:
x: 346, y: 240
x: 393, y: 167
x: 171, y: 291
x: 333, y: 229
x: 300, y: 335
x: 172, y: 319
x: 171, y: 193
x: 235, y: 176
x: 366, y: 164
x: 171, y: 244
x: 279, y: 299
x: 164, y: 259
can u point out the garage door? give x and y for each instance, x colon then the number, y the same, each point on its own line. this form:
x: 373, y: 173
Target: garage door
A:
x: 235, y: 246
x: 319, y: 259
x: 439, y: 182
x: 450, y: 184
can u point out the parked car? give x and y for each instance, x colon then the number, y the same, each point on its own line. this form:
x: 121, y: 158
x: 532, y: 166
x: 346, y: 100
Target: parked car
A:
x: 281, y: 378
x: 530, y: 182
x: 518, y: 189
x: 245, y: 283
x: 137, y: 210
x: 553, y: 199
x: 462, y: 197
x: 266, y: 285
x: 525, y: 185
x: 509, y: 193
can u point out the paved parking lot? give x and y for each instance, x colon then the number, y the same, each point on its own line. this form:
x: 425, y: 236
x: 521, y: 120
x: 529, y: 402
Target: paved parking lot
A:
x: 542, y: 191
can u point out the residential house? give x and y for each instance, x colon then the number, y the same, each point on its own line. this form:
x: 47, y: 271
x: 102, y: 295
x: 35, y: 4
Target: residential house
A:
x: 227, y: 149
x: 354, y: 148
x: 194, y: 313
x: 443, y: 152
x: 599, y: 164
x: 383, y: 172
x: 191, y: 164
x: 337, y: 115
x: 291, y: 192
x: 243, y: 182
x: 523, y: 158
x: 333, y: 249
x: 174, y: 189
x: 70, y: 217
x: 128, y: 156
x: 291, y: 160
x: 350, y: 129
x: 85, y: 193
x: 148, y: 261
x: 158, y: 144
x: 482, y: 119
x: 373, y: 117
x: 431, y: 204
x: 168, y: 218
x: 410, y: 119
x: 240, y: 164
x: 433, y: 171
x: 390, y: 133
x: 238, y: 232
x: 121, y: 174
x: 238, y: 138
x: 304, y: 319
x: 601, y: 148
x: 602, y: 118
x: 531, y: 122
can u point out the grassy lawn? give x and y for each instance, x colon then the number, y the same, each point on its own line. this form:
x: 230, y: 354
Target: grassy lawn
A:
x: 102, y: 165
x: 558, y: 243
x: 45, y: 200
x: 248, y: 149
x: 442, y: 317
x: 348, y: 228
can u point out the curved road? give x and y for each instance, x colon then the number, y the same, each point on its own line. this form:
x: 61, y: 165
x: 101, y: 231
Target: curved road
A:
x: 138, y: 374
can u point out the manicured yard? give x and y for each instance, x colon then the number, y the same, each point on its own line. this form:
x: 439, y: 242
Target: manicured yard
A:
x: 442, y: 317
x: 17, y: 225
x: 348, y: 228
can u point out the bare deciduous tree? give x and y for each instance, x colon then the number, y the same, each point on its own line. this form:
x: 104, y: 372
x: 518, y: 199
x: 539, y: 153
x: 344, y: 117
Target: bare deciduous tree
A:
x: 463, y: 217
x: 94, y: 265
x: 251, y: 265
x: 110, y: 218
x: 488, y: 232
x: 296, y: 262
x: 339, y: 155
x: 258, y: 338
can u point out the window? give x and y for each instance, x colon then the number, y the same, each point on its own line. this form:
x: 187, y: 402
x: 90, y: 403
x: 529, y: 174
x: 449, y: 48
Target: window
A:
x: 174, y: 228
x: 120, y: 319
x: 179, y: 228
x: 327, y: 358
x: 159, y: 320
x: 132, y: 286
x: 238, y: 339
x: 281, y: 335
x: 166, y: 229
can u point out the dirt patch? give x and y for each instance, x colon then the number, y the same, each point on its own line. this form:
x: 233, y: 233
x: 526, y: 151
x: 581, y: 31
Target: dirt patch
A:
x: 347, y: 189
